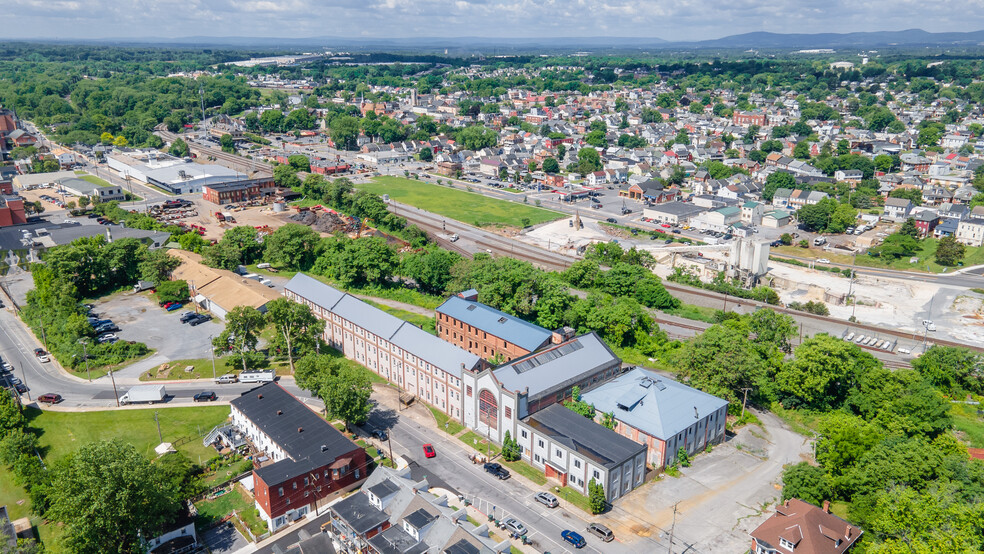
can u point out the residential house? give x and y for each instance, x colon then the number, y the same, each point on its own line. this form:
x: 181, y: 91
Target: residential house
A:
x: 926, y: 222
x: 303, y: 461
x: 490, y: 167
x: 852, y: 176
x: 970, y: 232
x: 801, y: 527
x: 774, y: 219
x: 575, y: 450
x: 897, y: 209
x: 660, y: 413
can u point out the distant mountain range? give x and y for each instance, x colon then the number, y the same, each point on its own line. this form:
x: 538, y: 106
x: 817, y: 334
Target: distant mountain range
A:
x: 487, y: 45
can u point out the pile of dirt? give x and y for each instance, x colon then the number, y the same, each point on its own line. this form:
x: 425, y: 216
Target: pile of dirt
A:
x: 304, y: 218
x: 329, y: 222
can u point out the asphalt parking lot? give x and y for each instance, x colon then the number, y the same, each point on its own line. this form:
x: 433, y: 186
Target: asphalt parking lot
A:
x: 141, y: 319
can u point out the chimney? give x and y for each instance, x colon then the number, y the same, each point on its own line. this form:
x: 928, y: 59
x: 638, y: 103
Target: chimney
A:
x: 259, y: 396
x: 299, y: 429
x: 850, y: 531
x: 280, y: 412
x: 826, y: 509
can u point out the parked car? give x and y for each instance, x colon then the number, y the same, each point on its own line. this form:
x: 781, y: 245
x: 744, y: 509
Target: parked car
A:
x: 6, y: 367
x: 612, y: 220
x: 574, y: 538
x: 21, y: 388
x: 429, y: 451
x: 228, y: 378
x: 547, y: 499
x: 41, y: 355
x: 602, y: 532
x: 497, y: 470
x: 50, y: 398
x: 206, y: 396
x: 379, y: 434
x: 454, y: 237
x: 513, y: 525
x: 823, y: 261
x: 199, y: 319
x: 107, y: 328
x: 188, y: 316
x: 108, y: 337
x: 175, y: 306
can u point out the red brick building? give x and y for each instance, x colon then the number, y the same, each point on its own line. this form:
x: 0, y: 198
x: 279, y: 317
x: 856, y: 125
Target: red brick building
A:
x: 12, y: 211
x: 756, y: 117
x: 239, y: 191
x: 302, y: 461
x: 485, y: 331
x: 325, y: 167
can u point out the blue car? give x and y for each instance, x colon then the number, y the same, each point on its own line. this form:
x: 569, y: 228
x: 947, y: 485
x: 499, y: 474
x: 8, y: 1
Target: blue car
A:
x: 173, y: 307
x: 575, y: 539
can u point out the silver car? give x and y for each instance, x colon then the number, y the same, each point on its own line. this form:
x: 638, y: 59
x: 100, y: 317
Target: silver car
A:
x: 513, y: 525
x: 547, y: 499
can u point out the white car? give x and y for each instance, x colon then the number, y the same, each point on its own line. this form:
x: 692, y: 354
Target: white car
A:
x: 860, y: 339
x: 929, y: 325
x: 849, y: 337
x: 823, y: 261
x: 454, y: 237
x: 108, y: 337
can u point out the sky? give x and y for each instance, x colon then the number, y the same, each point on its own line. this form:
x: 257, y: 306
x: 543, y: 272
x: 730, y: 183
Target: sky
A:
x: 675, y: 20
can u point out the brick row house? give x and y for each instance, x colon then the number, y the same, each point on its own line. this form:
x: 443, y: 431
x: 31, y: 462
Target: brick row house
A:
x: 305, y: 461
x: 422, y: 364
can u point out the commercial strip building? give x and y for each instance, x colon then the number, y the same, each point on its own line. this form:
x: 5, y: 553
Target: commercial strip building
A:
x: 661, y: 414
x: 305, y: 461
x: 420, y: 363
x: 485, y: 331
x: 394, y: 514
x: 219, y: 290
x: 98, y: 193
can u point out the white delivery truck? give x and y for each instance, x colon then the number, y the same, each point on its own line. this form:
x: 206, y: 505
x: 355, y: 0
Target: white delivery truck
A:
x: 256, y: 376
x: 144, y: 393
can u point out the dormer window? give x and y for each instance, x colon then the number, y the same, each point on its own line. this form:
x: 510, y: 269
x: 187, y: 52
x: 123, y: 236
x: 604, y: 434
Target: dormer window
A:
x: 786, y: 544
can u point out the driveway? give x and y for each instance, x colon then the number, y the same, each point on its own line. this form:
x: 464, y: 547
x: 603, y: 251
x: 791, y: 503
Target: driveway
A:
x: 721, y: 497
x: 224, y: 539
x: 141, y: 319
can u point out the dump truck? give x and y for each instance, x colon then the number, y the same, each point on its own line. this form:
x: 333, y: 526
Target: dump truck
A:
x: 140, y: 394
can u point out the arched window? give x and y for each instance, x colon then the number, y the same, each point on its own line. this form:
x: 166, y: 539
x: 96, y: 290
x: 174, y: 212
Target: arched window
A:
x: 488, y: 409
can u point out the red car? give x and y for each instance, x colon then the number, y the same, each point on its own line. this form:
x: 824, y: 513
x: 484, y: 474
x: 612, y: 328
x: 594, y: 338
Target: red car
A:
x: 429, y: 451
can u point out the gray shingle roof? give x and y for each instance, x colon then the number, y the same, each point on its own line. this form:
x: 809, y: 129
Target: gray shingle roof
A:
x: 494, y: 322
x: 582, y: 435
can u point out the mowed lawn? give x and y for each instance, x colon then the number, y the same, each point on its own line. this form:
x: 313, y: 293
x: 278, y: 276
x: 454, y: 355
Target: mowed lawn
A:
x: 464, y: 206
x: 64, y: 432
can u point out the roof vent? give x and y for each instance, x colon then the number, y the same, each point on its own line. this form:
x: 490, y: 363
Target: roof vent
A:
x: 280, y: 412
x: 502, y: 320
x: 324, y: 448
x: 259, y: 396
x: 471, y: 308
x: 645, y: 382
x: 299, y: 429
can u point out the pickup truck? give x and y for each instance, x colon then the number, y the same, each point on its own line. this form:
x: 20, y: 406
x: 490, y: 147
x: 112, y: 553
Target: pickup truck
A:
x: 144, y: 394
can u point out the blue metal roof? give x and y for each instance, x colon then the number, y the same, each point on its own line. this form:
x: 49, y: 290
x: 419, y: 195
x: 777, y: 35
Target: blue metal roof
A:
x: 557, y: 366
x: 658, y: 406
x: 507, y: 327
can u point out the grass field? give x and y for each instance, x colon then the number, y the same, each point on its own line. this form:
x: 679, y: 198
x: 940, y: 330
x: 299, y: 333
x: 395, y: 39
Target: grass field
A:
x: 443, y: 419
x: 969, y: 424
x: 467, y: 207
x: 973, y: 256
x: 64, y: 432
x: 95, y: 180
x: 201, y: 368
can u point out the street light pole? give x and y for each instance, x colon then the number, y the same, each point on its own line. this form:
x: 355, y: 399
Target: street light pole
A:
x: 85, y: 358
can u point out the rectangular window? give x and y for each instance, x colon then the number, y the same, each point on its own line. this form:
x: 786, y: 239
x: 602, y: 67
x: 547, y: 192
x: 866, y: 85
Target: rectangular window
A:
x: 540, y: 442
x: 596, y: 475
x: 508, y: 412
x: 468, y: 390
x: 523, y: 433
x: 560, y: 452
x: 281, y: 491
x: 577, y: 464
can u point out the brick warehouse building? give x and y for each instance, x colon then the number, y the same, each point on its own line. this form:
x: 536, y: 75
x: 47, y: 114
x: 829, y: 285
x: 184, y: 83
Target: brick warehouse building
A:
x: 485, y: 331
x: 308, y: 462
x: 239, y: 191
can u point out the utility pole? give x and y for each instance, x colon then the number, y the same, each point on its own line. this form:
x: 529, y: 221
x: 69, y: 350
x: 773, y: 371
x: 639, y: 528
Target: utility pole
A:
x: 745, y: 399
x: 389, y: 442
x: 669, y: 549
x: 43, y: 338
x: 116, y: 395
x: 854, y: 303
x: 158, y: 422
x: 212, y: 351
x: 85, y: 358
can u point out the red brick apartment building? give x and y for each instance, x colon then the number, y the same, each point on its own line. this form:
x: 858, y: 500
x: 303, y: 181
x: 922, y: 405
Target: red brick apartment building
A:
x: 485, y: 331
x: 756, y: 117
x: 306, y: 461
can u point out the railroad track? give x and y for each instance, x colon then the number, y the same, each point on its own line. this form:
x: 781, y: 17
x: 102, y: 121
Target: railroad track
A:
x: 824, y: 319
x: 218, y: 154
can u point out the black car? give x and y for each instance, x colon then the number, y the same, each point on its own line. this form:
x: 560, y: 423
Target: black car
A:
x: 188, y: 316
x: 199, y: 319
x: 207, y: 396
x: 21, y: 388
x: 612, y: 220
x: 107, y: 328
x: 497, y: 470
x: 379, y: 434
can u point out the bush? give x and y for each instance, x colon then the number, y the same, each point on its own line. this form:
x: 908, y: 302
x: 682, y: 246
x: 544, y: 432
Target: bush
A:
x: 813, y: 307
x: 172, y: 291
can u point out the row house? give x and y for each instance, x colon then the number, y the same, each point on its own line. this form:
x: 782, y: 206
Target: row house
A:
x: 420, y: 363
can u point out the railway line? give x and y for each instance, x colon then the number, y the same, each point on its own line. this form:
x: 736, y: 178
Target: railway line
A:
x: 237, y: 162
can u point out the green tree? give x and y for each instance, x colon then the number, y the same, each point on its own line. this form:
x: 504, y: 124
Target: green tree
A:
x: 949, y: 251
x: 272, y: 121
x: 550, y: 165
x: 844, y: 216
x: 914, y: 195
x: 821, y: 373
x: 777, y: 180
x: 11, y: 418
x: 157, y: 266
x: 426, y: 154
x: 596, y: 497
x: 802, y: 150
x: 575, y: 404
x: 510, y: 448
x: 299, y: 162
x: 588, y: 160
x: 951, y: 369
x: 346, y: 394
x: 896, y: 245
x: 430, y: 268
x: 293, y: 246
x: 179, y: 148
x: 241, y: 334
x: 227, y: 144
x: 110, y: 499
x: 722, y: 361
x: 344, y: 131
x: 296, y: 325
x: 817, y: 217
x: 286, y: 176
x: 805, y: 482
x: 359, y: 262
x: 172, y: 291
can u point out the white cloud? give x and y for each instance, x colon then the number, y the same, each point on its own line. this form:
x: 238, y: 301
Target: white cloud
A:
x: 671, y: 20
